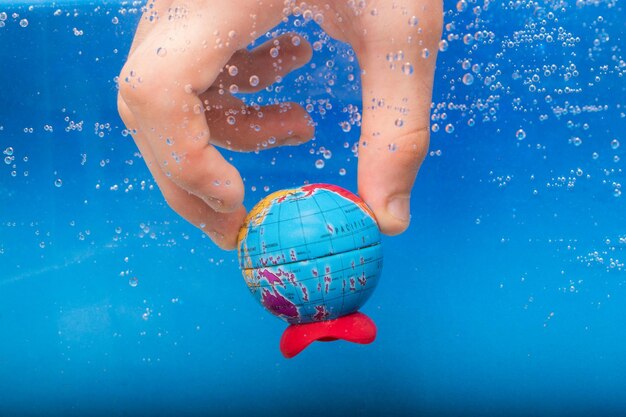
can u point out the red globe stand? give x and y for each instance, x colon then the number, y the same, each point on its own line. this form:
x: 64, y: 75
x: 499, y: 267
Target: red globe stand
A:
x: 355, y: 328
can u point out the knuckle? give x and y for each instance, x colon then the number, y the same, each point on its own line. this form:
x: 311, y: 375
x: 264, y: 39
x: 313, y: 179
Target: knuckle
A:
x: 409, y: 148
x: 418, y: 142
x: 173, y: 202
x: 129, y: 90
x: 124, y: 111
x: 219, y: 185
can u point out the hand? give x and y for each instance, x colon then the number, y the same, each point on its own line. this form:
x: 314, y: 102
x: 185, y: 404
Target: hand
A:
x: 175, y: 98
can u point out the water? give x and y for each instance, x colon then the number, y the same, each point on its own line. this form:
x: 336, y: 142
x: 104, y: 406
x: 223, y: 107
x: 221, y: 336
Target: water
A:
x: 506, y: 294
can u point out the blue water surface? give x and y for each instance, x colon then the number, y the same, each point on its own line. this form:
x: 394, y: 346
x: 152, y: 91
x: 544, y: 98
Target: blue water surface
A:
x: 506, y: 295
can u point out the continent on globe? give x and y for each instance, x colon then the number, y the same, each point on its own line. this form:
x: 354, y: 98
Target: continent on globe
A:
x: 312, y: 256
x: 278, y: 304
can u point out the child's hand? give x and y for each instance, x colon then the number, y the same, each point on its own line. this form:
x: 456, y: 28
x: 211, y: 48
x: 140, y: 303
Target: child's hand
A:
x: 175, y: 98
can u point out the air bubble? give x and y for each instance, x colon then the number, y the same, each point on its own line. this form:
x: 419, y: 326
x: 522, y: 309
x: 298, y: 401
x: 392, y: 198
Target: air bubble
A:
x: 399, y: 123
x: 413, y: 21
x: 615, y: 144
x: 468, y: 79
x: 274, y: 52
x: 254, y: 80
x: 23, y: 23
x: 449, y: 128
x: 230, y: 120
x: 345, y: 126
x: 319, y: 164
x: 233, y: 70
x: 295, y: 40
x: 407, y: 68
x: 425, y: 53
x: 520, y: 134
x: 8, y: 151
x: 233, y: 89
x: 133, y: 281
x: 58, y: 182
x: 342, y: 172
x: 161, y: 52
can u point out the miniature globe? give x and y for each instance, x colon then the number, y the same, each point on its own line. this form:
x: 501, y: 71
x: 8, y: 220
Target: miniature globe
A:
x: 311, y: 253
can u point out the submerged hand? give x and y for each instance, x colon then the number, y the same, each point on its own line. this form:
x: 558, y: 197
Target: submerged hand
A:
x: 186, y: 56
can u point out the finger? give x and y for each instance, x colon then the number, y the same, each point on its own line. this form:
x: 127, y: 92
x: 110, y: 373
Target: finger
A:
x: 396, y: 110
x: 162, y: 91
x: 222, y: 228
x: 156, y: 10
x: 238, y: 127
x: 254, y: 70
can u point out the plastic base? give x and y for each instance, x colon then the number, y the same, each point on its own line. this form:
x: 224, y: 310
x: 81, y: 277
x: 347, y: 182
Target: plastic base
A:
x: 355, y: 328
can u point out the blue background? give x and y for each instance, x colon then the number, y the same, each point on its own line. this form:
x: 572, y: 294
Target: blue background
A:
x: 506, y: 295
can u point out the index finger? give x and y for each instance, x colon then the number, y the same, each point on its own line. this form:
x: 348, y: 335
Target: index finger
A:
x: 179, y: 58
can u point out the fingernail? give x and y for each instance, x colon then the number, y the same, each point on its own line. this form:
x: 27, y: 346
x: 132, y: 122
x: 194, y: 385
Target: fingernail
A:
x: 293, y: 141
x: 400, y: 207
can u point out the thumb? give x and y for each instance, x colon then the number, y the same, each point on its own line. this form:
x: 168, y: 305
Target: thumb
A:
x: 397, y: 78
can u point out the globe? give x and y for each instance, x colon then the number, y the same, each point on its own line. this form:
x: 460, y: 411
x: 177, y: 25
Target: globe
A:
x: 311, y: 254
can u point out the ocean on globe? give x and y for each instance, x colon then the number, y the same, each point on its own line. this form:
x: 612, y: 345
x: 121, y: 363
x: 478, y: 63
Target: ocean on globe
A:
x: 311, y: 253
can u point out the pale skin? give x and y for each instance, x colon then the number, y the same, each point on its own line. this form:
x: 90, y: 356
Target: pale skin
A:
x: 174, y: 98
